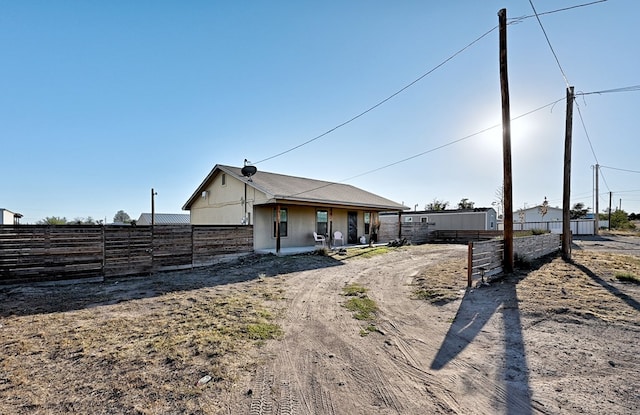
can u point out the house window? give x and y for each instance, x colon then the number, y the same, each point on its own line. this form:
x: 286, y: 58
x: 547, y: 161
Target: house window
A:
x: 367, y: 222
x: 322, y: 222
x: 283, y: 222
x: 224, y: 179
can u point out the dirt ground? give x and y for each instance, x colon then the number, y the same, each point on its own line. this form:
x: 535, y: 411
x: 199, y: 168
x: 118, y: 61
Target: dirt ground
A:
x: 276, y: 338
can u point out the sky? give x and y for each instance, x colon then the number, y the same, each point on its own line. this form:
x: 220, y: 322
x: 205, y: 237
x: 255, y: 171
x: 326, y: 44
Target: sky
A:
x: 102, y: 101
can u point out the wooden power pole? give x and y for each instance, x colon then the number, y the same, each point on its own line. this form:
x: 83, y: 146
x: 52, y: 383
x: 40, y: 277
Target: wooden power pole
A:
x: 506, y: 145
x: 566, y: 193
x: 597, y: 215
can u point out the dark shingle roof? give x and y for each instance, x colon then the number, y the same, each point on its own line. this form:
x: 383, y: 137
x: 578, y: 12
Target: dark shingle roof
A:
x: 280, y: 187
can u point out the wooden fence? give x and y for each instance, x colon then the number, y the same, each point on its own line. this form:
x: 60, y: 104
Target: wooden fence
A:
x: 49, y: 252
x: 486, y: 258
x: 458, y: 236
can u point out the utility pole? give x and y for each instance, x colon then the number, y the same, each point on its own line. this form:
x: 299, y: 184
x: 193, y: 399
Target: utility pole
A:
x: 506, y: 145
x: 153, y: 207
x: 566, y: 194
x: 277, y: 229
x: 597, y: 197
x: 610, y: 195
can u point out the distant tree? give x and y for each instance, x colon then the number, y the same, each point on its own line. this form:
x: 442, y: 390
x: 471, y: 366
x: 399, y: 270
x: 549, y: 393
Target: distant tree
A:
x: 578, y: 211
x: 83, y: 221
x: 620, y: 220
x: 634, y: 216
x: 52, y: 220
x: 122, y: 216
x: 436, y: 205
x: 465, y: 204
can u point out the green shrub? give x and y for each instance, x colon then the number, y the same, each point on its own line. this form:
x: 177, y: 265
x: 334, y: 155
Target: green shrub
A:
x: 627, y: 277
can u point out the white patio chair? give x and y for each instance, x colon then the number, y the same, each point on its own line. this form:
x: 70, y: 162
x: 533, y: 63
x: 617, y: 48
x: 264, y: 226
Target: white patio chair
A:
x: 337, y: 236
x: 319, y: 238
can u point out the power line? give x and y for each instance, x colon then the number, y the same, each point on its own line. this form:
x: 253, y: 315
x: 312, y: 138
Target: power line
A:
x: 615, y: 168
x: 518, y: 19
x: 433, y: 149
x: 549, y: 43
x: 384, y: 100
x: 610, y: 91
x: 584, y: 127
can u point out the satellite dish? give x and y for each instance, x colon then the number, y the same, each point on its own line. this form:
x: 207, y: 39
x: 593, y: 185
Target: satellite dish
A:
x: 248, y: 170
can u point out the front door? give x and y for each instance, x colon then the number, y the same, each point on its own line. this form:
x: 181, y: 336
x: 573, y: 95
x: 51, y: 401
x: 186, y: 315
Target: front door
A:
x: 352, y: 237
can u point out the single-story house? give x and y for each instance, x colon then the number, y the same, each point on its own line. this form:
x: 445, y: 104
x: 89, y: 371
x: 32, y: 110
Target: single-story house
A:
x: 8, y: 217
x: 285, y: 211
x: 164, y: 219
x: 535, y: 214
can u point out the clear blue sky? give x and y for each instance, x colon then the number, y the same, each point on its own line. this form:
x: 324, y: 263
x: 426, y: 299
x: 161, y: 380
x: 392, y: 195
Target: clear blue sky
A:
x: 101, y: 101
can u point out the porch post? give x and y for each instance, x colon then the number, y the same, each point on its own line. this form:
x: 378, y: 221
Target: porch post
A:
x: 330, y: 227
x: 277, y: 229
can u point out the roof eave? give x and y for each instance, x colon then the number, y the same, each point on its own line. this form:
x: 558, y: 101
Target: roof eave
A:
x: 333, y: 203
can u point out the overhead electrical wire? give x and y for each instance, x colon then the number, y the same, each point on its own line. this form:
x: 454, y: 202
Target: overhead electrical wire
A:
x: 584, y: 127
x: 431, y: 150
x: 615, y: 168
x: 549, y: 43
x: 516, y: 20
x: 632, y: 88
x: 454, y: 141
x: 398, y: 92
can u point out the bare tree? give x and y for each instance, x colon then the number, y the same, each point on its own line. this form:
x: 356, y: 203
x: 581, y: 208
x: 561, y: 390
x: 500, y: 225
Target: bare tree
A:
x: 498, y: 201
x: 544, y: 208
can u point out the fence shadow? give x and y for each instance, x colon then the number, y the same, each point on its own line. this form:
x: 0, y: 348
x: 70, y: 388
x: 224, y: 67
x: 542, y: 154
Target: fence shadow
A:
x: 476, y: 309
x: 632, y: 302
x: 52, y: 297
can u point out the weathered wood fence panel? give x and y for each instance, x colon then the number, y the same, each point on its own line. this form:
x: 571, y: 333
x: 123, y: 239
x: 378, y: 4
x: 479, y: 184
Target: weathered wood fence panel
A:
x: 530, y: 248
x: 127, y: 250
x: 415, y: 232
x: 486, y: 257
x: 214, y: 244
x: 49, y: 252
x: 464, y: 236
x: 41, y: 252
x: 172, y: 247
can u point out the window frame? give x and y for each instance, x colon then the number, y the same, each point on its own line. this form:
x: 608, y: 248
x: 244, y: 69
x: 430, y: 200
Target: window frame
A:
x: 284, y: 230
x: 326, y: 223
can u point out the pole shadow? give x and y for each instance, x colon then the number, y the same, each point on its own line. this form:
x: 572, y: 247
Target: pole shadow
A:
x: 476, y: 309
x: 632, y: 302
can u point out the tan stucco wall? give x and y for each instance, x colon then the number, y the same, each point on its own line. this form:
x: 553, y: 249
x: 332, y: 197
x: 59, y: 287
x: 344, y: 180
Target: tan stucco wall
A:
x: 223, y: 205
x: 300, y: 227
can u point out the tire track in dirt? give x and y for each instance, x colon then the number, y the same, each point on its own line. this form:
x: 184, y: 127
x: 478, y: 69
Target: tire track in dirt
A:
x: 323, y: 366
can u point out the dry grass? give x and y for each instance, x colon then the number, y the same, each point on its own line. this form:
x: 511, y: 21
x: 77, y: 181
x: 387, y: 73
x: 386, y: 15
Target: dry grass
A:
x: 585, y: 287
x: 441, y: 283
x: 141, y: 356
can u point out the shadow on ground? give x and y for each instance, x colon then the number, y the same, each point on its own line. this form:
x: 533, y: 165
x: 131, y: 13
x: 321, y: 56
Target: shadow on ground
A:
x: 477, y: 307
x: 40, y: 298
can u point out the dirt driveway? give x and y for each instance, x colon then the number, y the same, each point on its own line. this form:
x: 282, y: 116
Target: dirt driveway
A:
x: 559, y: 338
